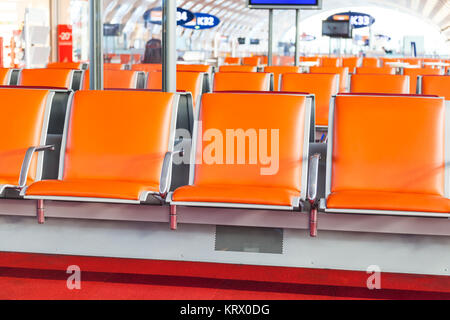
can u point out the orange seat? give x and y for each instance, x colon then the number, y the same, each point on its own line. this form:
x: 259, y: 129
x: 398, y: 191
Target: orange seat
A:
x: 226, y: 179
x: 186, y: 81
x: 4, y: 76
x: 323, y: 86
x: 115, y: 79
x: 370, y: 62
x: 232, y: 60
x: 342, y: 72
x: 115, y: 147
x: 125, y: 58
x: 379, y: 83
x: 413, y: 61
x: 65, y: 65
x: 370, y: 70
x: 436, y: 85
x: 372, y: 171
x: 278, y: 71
x: 195, y: 68
x: 413, y: 73
x: 331, y: 62
x: 237, y: 69
x: 251, y: 61
x: 22, y: 127
x: 312, y: 59
x: 242, y: 81
x: 351, y: 63
x: 146, y: 67
x: 57, y: 78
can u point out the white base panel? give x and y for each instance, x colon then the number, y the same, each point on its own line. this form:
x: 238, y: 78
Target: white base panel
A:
x: 416, y: 254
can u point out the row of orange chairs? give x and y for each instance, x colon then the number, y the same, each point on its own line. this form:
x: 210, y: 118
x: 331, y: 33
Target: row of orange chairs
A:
x: 379, y: 176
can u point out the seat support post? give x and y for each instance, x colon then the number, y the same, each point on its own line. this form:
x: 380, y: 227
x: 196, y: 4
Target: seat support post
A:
x: 173, y: 217
x: 40, y: 211
x: 313, y: 222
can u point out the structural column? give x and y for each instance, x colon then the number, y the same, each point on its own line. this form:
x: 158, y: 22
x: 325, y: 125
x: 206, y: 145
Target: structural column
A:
x: 169, y: 27
x: 270, y: 41
x: 297, y: 37
x: 96, y: 45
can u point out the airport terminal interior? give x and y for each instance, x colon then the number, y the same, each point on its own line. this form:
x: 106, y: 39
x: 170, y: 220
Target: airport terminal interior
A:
x: 224, y: 149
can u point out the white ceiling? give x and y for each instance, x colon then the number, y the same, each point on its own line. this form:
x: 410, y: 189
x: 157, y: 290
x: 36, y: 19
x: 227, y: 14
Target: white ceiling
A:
x: 237, y: 19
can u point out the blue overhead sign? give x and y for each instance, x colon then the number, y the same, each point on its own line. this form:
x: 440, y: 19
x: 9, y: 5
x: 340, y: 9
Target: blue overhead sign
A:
x: 155, y: 16
x: 357, y: 19
x: 202, y: 21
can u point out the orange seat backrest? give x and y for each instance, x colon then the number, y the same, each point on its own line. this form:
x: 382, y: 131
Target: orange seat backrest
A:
x: 278, y: 71
x: 232, y: 60
x: 331, y: 62
x: 186, y: 81
x: 312, y: 59
x: 341, y: 71
x: 23, y: 124
x: 241, y: 81
x: 65, y: 65
x: 4, y: 76
x: 323, y: 86
x: 371, y: 70
x: 237, y: 69
x: 436, y: 85
x: 59, y: 78
x: 118, y: 135
x: 195, y: 68
x: 256, y: 112
x: 251, y: 61
x: 115, y: 79
x: 146, y: 67
x: 351, y: 63
x: 125, y: 58
x: 379, y: 83
x: 112, y: 66
x: 413, y: 73
x: 365, y: 155
x: 370, y: 62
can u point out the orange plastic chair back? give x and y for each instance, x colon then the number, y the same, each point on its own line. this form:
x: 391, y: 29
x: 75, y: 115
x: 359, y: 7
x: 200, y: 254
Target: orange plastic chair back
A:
x: 241, y: 81
x: 58, y: 78
x: 379, y: 83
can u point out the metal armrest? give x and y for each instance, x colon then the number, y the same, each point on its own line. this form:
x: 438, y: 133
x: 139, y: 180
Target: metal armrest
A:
x: 27, y: 162
x: 164, y: 184
x: 313, y: 177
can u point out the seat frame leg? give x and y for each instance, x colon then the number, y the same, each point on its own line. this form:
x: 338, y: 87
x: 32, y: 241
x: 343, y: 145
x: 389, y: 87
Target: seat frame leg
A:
x: 173, y: 217
x: 313, y: 222
x: 40, y: 211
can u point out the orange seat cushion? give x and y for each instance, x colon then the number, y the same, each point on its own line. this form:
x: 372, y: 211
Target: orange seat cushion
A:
x: 112, y: 189
x: 395, y: 201
x: 236, y: 194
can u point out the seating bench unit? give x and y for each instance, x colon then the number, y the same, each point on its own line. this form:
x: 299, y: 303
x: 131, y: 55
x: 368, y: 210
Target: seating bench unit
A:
x: 368, y: 172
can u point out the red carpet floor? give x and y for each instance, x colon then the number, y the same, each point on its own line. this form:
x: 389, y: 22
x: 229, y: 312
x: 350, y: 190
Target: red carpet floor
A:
x: 33, y: 276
